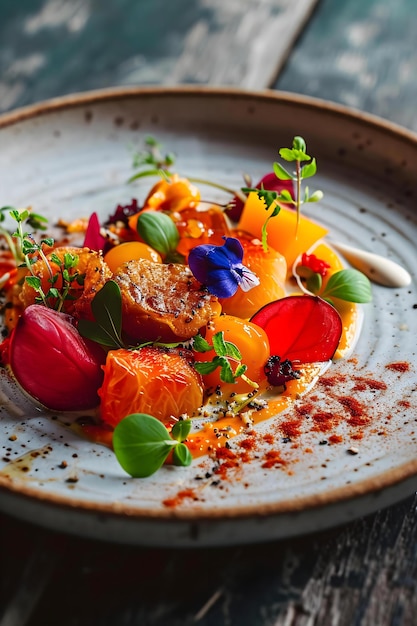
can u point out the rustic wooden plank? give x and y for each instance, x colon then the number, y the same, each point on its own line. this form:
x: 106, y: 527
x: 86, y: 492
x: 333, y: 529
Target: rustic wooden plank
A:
x: 363, y: 574
x: 53, y: 47
x: 242, y: 42
x: 362, y: 54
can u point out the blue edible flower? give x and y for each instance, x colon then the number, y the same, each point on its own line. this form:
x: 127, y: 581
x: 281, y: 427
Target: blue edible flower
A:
x: 220, y: 269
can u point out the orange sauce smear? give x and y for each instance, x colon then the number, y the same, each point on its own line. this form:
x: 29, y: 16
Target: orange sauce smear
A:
x: 215, y: 435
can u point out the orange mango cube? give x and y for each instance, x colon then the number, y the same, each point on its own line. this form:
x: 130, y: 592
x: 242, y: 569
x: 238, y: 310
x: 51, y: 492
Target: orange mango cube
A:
x: 283, y: 234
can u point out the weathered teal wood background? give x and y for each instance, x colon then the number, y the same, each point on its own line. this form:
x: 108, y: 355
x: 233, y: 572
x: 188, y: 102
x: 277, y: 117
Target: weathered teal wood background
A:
x: 53, y: 47
x: 361, y: 53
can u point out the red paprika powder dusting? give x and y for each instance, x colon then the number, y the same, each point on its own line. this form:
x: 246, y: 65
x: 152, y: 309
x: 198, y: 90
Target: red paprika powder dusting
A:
x: 335, y: 439
x: 273, y: 459
x: 291, y: 428
x: 179, y: 498
x: 399, y: 366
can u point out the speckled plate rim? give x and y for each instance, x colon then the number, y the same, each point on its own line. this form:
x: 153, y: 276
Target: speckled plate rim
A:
x: 400, y: 475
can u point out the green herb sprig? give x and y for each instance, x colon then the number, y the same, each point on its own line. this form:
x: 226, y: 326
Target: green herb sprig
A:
x: 27, y: 251
x: 347, y: 284
x: 142, y: 444
x: 296, y: 155
x: 152, y: 162
x: 224, y: 350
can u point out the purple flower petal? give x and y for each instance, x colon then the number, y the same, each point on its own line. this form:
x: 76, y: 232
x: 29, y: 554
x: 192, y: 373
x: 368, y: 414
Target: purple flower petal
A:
x: 220, y: 269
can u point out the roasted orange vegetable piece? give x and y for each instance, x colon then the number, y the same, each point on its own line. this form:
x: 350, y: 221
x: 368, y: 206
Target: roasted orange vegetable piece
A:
x: 174, y: 194
x: 271, y: 269
x: 200, y: 227
x: 151, y: 380
x: 163, y: 302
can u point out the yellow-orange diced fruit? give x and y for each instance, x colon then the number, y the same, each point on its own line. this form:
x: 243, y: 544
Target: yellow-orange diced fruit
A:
x: 283, y: 234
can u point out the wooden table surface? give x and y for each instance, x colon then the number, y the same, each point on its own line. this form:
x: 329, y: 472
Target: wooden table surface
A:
x: 362, y: 54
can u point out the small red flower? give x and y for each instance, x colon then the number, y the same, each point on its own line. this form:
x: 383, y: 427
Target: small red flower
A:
x: 316, y: 265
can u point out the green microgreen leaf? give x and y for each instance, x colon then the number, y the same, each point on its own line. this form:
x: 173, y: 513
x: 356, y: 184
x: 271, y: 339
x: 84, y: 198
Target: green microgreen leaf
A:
x: 181, y: 430
x: 298, y: 143
x: 316, y: 196
x: 141, y: 444
x: 350, y: 285
x: 159, y: 231
x: 307, y: 171
x: 226, y: 372
x: 281, y: 172
x: 36, y: 221
x: 286, y: 197
x: 182, y: 456
x: 201, y: 345
x: 240, y: 370
x: 53, y: 293
x: 34, y: 282
x: 314, y: 282
x: 24, y: 248
x: 153, y: 159
x: 207, y: 367
x: 225, y: 348
x: 55, y: 259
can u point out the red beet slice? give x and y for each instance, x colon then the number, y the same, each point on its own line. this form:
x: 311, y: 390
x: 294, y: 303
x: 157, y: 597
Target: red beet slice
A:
x: 53, y: 363
x: 301, y: 328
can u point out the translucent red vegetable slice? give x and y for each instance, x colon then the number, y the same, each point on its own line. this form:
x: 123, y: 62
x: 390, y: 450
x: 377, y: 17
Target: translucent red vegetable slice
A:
x: 301, y: 328
x: 53, y: 363
x: 93, y: 238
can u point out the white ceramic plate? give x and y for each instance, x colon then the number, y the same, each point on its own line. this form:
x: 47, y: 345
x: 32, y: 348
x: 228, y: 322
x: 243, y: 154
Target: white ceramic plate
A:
x: 70, y: 157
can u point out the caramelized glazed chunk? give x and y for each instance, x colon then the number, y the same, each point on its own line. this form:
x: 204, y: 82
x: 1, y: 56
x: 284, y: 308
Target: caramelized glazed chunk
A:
x: 163, y: 302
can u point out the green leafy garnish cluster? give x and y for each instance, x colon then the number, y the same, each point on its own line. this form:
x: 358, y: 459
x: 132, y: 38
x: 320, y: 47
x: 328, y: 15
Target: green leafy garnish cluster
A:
x: 224, y: 350
x: 27, y: 251
x: 142, y: 444
x: 296, y: 155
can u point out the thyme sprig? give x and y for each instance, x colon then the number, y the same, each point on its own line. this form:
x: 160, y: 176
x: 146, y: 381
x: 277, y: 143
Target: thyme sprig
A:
x: 152, y: 162
x: 27, y: 251
x: 33, y: 220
